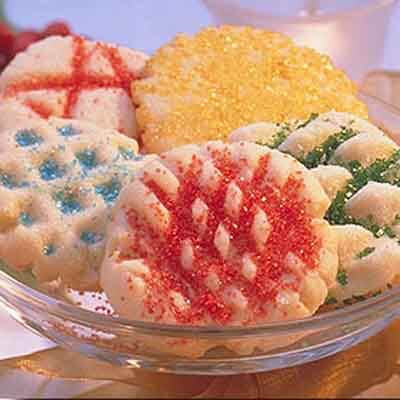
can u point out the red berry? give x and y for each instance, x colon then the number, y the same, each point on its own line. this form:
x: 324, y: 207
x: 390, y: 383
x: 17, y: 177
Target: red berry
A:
x: 59, y: 28
x: 3, y: 61
x: 5, y: 29
x: 6, y: 39
x: 23, y: 40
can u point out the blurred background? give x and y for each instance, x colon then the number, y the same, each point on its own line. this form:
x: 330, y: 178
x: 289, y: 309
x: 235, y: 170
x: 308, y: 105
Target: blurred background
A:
x: 360, y: 35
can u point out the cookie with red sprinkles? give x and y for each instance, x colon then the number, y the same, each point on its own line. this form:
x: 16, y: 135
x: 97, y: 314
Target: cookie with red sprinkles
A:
x: 72, y: 77
x: 220, y: 234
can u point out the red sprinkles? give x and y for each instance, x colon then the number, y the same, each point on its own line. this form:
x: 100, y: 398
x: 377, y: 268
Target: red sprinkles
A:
x: 78, y: 80
x: 291, y: 232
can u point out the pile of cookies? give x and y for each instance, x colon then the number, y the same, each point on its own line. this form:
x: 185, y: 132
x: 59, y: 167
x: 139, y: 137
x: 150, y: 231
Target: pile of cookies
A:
x: 232, y: 178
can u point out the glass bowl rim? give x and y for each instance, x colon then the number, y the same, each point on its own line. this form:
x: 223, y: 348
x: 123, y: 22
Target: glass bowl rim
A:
x: 61, y: 309
x: 304, y: 19
x: 11, y: 287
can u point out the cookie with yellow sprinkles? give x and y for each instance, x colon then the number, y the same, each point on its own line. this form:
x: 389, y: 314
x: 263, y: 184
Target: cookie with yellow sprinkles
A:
x: 203, y: 87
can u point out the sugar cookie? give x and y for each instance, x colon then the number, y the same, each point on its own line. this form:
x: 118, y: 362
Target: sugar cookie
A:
x: 72, y: 77
x: 220, y: 234
x: 58, y: 181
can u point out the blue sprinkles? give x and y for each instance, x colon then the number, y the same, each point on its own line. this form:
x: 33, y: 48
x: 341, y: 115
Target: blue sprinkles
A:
x: 7, y: 180
x: 49, y: 249
x: 90, y: 237
x: 25, y: 219
x: 27, y: 137
x: 50, y: 170
x: 67, y: 203
x: 109, y: 190
x: 68, y: 130
x: 87, y: 158
x: 126, y: 153
x: 129, y: 154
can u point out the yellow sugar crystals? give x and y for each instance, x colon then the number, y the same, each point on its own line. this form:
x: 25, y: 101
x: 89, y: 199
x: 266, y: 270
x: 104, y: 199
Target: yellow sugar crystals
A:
x: 201, y: 88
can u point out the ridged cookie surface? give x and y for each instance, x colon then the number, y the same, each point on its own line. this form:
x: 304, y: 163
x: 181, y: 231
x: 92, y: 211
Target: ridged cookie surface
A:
x: 359, y: 168
x: 220, y: 234
x: 58, y: 182
x: 71, y: 77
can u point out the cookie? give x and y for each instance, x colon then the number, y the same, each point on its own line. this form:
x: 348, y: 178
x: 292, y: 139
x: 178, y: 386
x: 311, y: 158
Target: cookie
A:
x: 203, y: 87
x: 58, y: 182
x: 323, y: 141
x: 324, y: 134
x: 72, y: 77
x: 365, y: 148
x: 219, y: 234
x: 367, y: 265
x: 332, y: 178
x: 14, y: 115
x: 363, y: 190
x: 378, y: 201
x: 327, y: 137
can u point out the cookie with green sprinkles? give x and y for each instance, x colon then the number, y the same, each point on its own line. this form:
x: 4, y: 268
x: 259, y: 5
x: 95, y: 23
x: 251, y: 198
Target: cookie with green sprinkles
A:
x: 58, y: 182
x: 358, y: 167
x: 368, y: 265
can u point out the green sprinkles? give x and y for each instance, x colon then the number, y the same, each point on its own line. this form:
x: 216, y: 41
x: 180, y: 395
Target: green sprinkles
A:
x: 310, y: 119
x: 396, y: 220
x: 366, y: 252
x: 378, y: 231
x: 279, y: 138
x: 330, y: 300
x: 324, y: 152
x: 336, y: 214
x: 341, y: 277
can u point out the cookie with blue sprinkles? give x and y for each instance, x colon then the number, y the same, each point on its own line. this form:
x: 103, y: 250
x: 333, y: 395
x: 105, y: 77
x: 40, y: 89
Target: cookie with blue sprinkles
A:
x: 58, y: 182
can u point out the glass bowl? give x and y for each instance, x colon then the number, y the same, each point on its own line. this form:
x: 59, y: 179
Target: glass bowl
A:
x: 205, y: 350
x: 335, y: 27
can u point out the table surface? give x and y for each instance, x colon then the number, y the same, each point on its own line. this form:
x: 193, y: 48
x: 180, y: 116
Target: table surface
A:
x: 144, y: 25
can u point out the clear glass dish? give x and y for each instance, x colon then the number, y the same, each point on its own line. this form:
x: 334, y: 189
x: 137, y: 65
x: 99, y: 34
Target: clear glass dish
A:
x: 326, y: 25
x: 177, y: 349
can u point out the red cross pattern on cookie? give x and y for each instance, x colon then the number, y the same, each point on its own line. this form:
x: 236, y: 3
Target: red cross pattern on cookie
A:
x: 75, y: 78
